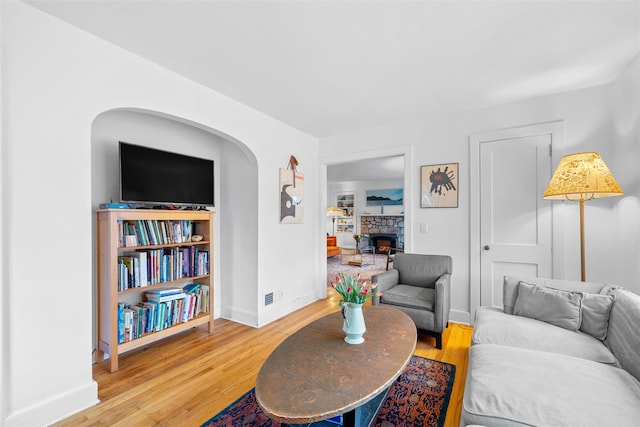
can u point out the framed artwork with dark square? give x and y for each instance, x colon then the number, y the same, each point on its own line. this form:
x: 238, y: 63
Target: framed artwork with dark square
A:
x: 439, y: 186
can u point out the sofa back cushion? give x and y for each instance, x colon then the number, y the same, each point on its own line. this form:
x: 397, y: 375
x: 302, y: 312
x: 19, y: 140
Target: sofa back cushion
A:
x: 331, y: 240
x: 560, y: 308
x: 421, y: 270
x: 595, y: 314
x: 623, y: 335
x: 511, y: 283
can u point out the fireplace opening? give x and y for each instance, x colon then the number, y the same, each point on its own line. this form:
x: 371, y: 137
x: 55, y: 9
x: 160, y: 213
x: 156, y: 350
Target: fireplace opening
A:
x: 379, y: 240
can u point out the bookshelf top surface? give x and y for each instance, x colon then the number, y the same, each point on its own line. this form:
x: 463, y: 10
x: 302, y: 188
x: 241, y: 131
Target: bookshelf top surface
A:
x: 157, y: 214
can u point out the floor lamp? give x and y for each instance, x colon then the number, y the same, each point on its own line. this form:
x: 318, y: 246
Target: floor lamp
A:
x: 333, y: 212
x: 581, y: 177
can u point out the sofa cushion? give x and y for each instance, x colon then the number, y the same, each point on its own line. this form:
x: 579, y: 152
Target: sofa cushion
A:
x: 595, y: 314
x: 409, y: 296
x: 511, y: 283
x: 623, y: 335
x: 508, y: 386
x: 560, y: 308
x: 492, y: 326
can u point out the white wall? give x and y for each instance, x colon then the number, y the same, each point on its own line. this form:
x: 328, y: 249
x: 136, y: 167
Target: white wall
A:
x: 625, y: 166
x: 238, y: 239
x: 56, y: 79
x: 589, y: 124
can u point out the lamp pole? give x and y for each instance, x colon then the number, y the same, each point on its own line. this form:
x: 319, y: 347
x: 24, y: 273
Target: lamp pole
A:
x: 583, y: 275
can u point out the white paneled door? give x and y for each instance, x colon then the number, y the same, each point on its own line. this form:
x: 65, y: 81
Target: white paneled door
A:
x: 515, y: 232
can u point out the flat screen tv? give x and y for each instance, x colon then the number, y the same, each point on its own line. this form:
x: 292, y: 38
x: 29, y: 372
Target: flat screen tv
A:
x: 152, y: 176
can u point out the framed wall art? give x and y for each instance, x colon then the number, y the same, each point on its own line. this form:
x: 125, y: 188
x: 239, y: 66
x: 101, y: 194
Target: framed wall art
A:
x: 291, y: 196
x: 439, y: 186
x: 388, y: 197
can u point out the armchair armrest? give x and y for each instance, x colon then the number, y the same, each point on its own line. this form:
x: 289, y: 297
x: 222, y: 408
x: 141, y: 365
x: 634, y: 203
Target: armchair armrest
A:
x: 385, y: 280
x: 442, y: 304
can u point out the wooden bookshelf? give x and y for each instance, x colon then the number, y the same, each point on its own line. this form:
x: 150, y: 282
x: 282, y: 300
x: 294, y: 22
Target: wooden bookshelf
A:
x: 174, y: 230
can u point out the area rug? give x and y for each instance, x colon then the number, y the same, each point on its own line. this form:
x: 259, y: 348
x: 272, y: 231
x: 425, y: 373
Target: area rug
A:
x: 419, y: 397
x: 368, y: 269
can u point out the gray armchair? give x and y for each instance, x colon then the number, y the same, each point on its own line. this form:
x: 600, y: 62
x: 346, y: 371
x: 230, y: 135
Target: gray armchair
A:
x: 420, y: 286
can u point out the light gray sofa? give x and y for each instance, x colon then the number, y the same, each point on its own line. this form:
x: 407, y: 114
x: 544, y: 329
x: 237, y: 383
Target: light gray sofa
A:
x: 560, y: 353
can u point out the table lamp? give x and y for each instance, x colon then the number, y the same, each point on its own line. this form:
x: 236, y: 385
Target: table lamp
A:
x: 580, y: 177
x: 333, y: 212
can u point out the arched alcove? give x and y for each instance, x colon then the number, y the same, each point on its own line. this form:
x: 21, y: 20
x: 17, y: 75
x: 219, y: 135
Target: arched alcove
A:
x: 235, y: 187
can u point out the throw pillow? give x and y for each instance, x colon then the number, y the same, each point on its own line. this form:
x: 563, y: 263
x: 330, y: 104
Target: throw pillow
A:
x: 595, y: 314
x: 560, y: 308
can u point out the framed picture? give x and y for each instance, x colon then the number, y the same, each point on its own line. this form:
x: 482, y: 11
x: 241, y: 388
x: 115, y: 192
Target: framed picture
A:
x: 291, y: 197
x: 384, y: 197
x: 439, y: 186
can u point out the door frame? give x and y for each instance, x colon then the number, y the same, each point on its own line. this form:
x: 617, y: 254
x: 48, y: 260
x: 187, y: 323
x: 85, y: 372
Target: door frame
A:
x: 408, y: 196
x: 556, y: 130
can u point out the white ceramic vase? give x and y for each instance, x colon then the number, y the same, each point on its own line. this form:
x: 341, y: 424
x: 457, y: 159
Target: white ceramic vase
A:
x: 353, y: 324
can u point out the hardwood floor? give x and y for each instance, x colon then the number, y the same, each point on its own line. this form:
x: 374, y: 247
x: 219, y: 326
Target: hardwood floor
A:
x: 188, y: 378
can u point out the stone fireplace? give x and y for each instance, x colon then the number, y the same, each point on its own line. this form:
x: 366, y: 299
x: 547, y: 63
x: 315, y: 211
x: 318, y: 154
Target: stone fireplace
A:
x: 383, y: 230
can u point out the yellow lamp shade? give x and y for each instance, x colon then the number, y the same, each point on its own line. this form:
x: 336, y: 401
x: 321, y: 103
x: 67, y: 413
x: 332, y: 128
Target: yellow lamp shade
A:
x: 334, y: 212
x: 582, y: 176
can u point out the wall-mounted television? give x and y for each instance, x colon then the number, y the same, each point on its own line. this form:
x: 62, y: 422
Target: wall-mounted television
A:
x: 152, y: 176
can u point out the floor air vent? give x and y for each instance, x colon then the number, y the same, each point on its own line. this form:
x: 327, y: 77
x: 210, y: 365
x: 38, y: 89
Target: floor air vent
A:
x: 268, y: 299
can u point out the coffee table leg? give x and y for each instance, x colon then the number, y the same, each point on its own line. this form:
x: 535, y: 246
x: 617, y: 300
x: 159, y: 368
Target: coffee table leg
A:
x: 362, y: 416
x: 349, y: 419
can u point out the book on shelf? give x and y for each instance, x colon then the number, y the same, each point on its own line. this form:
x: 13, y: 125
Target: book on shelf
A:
x: 120, y: 323
x: 165, y: 291
x: 205, y: 308
x: 164, y: 308
x: 191, y: 287
x: 164, y: 298
x: 142, y: 233
x: 153, y: 266
x: 128, y: 325
x: 154, y: 232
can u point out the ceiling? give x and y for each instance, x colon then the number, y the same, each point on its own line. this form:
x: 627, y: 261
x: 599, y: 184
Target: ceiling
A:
x: 334, y: 67
x: 367, y: 170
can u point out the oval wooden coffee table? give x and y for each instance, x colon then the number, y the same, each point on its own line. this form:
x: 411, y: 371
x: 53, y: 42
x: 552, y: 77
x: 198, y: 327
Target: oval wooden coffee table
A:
x: 314, y: 374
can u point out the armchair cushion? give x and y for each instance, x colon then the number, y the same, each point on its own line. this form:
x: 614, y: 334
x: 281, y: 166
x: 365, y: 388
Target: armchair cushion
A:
x: 410, y: 296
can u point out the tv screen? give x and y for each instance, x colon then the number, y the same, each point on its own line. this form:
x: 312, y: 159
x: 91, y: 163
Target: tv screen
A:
x: 152, y: 176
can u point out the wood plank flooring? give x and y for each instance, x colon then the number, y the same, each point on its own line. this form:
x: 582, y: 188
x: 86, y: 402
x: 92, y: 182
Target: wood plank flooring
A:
x: 186, y: 379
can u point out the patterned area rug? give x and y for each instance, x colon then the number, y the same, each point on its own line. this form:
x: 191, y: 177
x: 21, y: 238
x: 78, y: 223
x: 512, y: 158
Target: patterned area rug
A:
x: 372, y: 265
x: 419, y: 397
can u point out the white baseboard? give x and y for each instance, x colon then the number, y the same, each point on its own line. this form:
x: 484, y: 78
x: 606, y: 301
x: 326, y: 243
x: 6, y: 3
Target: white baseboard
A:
x: 55, y: 408
x: 458, y: 316
x: 240, y: 316
x: 285, y: 308
x: 269, y: 314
